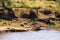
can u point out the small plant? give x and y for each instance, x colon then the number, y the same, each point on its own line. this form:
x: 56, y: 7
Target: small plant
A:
x: 51, y: 25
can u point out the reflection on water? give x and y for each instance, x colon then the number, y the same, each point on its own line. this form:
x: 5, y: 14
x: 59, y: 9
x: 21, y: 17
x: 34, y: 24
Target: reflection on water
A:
x: 40, y: 35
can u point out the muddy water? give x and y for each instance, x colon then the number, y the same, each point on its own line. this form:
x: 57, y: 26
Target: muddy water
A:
x: 36, y: 35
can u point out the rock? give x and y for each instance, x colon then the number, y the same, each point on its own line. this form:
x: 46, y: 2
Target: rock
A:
x: 47, y: 12
x: 47, y: 21
x: 7, y: 14
x: 35, y: 29
x: 55, y: 19
x: 57, y: 14
x: 33, y: 14
x: 19, y: 12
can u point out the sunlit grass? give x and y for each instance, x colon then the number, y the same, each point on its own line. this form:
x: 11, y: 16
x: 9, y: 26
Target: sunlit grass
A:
x: 30, y: 4
x: 34, y: 4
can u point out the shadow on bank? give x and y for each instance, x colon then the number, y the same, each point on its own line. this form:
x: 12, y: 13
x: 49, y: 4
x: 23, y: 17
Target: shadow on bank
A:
x: 6, y: 13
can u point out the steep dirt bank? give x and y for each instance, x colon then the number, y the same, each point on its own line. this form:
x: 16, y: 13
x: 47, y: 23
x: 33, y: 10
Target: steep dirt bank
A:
x: 29, y: 19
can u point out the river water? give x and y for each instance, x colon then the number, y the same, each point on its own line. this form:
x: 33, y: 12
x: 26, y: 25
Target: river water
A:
x: 30, y: 35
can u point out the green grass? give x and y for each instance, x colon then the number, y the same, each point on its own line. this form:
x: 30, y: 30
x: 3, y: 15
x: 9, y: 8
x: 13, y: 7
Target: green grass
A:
x: 51, y: 25
x: 33, y: 4
x: 58, y: 1
x: 54, y: 26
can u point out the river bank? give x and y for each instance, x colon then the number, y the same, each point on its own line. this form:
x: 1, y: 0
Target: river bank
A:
x: 35, y: 35
x: 30, y: 17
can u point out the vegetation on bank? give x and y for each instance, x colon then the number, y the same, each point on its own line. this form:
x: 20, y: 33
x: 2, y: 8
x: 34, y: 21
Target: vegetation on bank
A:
x: 44, y: 5
x: 54, y: 25
x: 58, y: 1
x: 10, y: 25
x: 33, y: 4
x: 29, y: 4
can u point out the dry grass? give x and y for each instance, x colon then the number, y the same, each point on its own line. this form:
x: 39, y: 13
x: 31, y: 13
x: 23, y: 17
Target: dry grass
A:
x: 14, y: 25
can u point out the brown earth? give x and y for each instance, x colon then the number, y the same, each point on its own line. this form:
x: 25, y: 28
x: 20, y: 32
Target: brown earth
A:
x: 30, y: 18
